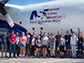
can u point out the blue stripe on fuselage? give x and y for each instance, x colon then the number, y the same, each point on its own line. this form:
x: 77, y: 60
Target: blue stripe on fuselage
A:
x: 5, y: 27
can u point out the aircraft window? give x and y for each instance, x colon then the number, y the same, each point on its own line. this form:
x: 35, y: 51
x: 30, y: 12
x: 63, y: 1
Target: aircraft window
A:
x: 33, y: 28
x: 41, y: 28
x: 20, y: 22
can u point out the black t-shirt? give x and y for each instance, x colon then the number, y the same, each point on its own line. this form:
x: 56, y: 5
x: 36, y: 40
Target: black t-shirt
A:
x: 67, y: 37
x: 41, y: 36
x: 80, y: 41
x: 4, y: 39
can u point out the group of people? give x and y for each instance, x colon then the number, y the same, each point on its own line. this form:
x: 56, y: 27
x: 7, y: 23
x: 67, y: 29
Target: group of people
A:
x: 37, y: 45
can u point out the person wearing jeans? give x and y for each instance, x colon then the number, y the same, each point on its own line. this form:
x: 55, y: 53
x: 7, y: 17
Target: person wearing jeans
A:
x: 12, y: 39
x: 73, y: 51
x: 14, y: 48
x: 73, y: 43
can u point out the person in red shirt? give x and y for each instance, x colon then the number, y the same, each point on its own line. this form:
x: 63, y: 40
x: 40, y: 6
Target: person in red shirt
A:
x: 23, y: 40
x: 58, y: 36
x: 12, y: 39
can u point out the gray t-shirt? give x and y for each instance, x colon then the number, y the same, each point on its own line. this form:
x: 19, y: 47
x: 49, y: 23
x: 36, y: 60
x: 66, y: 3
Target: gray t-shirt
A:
x: 62, y: 42
x: 44, y: 40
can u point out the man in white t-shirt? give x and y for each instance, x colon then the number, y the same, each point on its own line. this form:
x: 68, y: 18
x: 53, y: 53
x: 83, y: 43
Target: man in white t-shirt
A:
x: 73, y: 43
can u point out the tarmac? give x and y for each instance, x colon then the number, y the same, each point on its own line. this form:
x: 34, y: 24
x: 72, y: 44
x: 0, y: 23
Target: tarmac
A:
x: 41, y: 60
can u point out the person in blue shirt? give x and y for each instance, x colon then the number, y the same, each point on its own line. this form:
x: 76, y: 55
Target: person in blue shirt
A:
x: 4, y: 39
x: 52, y: 45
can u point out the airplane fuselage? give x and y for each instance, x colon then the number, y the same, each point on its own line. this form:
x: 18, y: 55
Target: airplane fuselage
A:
x: 51, y: 16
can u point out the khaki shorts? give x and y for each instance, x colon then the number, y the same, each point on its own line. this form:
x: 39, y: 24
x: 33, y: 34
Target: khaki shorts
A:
x: 3, y: 47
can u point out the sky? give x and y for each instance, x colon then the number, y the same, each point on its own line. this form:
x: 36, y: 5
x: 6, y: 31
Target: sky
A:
x: 26, y: 2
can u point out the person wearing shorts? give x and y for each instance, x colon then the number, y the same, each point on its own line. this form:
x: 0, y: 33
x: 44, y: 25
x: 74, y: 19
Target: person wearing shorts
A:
x: 28, y: 42
x: 67, y: 41
x: 52, y: 45
x: 61, y: 45
x: 44, y: 41
x: 12, y: 39
x: 23, y: 40
x: 4, y: 40
x: 38, y: 46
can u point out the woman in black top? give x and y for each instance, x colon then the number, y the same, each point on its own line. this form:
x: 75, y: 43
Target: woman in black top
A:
x: 80, y: 44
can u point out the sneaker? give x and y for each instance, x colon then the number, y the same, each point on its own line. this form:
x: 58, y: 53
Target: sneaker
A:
x: 21, y: 56
x: 25, y: 55
x: 78, y: 56
x: 70, y: 56
x: 44, y: 56
x: 60, y: 56
x: 6, y: 56
x: 31, y: 57
x: 28, y: 55
x: 38, y: 57
x: 67, y: 56
x: 9, y: 56
x: 53, y: 56
x: 17, y: 55
x: 14, y: 57
x: 2, y: 56
x: 35, y: 56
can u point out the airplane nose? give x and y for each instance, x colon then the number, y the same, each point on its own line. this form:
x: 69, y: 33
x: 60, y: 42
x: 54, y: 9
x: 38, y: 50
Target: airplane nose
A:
x: 5, y: 14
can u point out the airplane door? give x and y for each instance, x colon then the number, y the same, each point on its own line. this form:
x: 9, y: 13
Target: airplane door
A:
x: 76, y: 30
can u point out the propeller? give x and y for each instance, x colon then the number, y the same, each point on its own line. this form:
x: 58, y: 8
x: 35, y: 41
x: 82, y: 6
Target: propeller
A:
x: 5, y: 14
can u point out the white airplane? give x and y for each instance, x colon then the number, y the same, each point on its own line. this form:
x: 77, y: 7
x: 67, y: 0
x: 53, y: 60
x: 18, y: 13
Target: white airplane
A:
x: 52, y: 16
